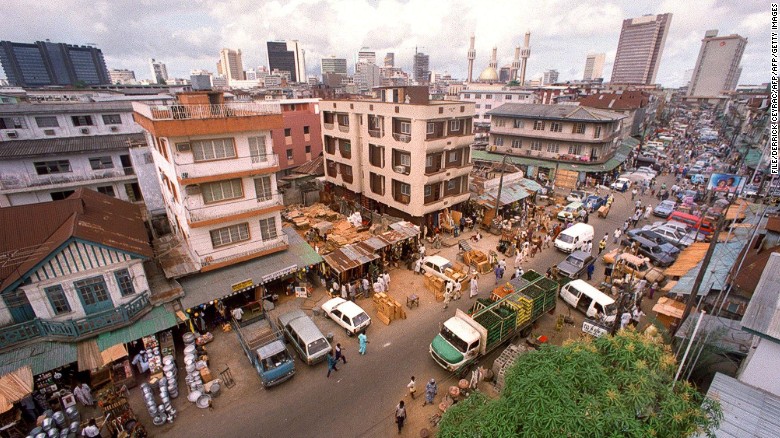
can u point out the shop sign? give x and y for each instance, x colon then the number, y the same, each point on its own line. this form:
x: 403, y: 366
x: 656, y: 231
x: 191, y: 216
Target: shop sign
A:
x: 280, y: 273
x: 242, y: 285
x: 594, y: 329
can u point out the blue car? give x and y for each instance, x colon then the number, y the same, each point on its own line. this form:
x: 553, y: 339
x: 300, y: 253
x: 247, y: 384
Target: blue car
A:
x: 593, y: 202
x: 664, y: 208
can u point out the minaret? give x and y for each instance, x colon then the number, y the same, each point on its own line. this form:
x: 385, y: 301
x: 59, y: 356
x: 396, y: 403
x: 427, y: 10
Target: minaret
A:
x: 515, y: 65
x: 524, y: 54
x: 471, y: 55
x: 494, y: 59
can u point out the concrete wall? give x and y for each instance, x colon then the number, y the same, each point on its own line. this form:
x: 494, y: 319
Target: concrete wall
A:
x: 760, y: 367
x: 64, y: 114
x: 143, y: 163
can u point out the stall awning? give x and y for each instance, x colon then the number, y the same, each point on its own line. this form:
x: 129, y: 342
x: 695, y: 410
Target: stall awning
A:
x: 158, y: 319
x: 350, y: 256
x: 89, y: 357
x: 14, y: 386
x: 113, y: 353
x: 40, y: 356
x: 621, y: 153
x: 204, y: 287
x: 723, y: 258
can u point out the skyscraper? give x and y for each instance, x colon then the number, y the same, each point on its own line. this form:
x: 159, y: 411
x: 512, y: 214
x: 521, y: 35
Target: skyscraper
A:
x: 550, y: 77
x: 231, y: 65
x: 45, y: 63
x: 717, y: 67
x: 639, y: 49
x: 159, y: 71
x: 333, y: 65
x: 594, y: 66
x: 390, y: 59
x: 366, y: 56
x: 421, y: 68
x: 287, y: 56
x: 121, y: 76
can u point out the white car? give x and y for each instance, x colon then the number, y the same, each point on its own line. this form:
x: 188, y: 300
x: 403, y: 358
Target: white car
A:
x: 347, y: 314
x: 648, y: 170
x: 621, y: 185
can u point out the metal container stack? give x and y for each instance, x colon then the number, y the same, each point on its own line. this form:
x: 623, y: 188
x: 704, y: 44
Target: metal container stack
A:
x: 56, y: 425
x: 193, y: 378
x: 171, y: 374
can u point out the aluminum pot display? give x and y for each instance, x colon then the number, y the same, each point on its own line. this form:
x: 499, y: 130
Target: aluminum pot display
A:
x: 194, y: 395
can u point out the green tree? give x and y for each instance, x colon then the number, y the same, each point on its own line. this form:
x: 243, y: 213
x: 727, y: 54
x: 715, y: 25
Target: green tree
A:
x: 609, y: 387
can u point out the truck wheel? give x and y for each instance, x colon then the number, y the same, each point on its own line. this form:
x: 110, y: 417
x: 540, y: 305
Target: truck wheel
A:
x: 526, y: 331
x: 349, y: 333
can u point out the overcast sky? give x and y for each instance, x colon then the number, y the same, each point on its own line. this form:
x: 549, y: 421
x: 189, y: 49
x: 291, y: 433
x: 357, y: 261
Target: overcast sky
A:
x: 189, y: 34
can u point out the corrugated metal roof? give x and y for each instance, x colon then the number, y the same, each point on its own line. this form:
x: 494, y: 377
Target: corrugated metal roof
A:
x: 762, y: 316
x: 158, y: 319
x: 723, y: 333
x: 41, y: 356
x: 620, y: 156
x: 555, y: 112
x: 350, y: 256
x: 69, y: 145
x: 747, y: 411
x: 723, y: 258
x: 407, y: 228
x: 687, y: 260
x: 199, y: 288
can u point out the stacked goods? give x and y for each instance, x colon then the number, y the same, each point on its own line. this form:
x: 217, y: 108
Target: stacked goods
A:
x: 524, y: 307
x: 502, y: 291
x: 505, y: 361
x: 497, y: 321
x: 387, y: 308
x: 435, y: 285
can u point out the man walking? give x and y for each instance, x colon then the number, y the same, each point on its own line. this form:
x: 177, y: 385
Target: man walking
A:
x: 400, y: 415
x: 331, y: 363
x: 362, y: 341
x: 412, y: 385
x: 340, y: 354
x: 616, y: 235
x: 603, y: 243
x: 430, y: 392
x: 474, y: 287
x: 591, y: 268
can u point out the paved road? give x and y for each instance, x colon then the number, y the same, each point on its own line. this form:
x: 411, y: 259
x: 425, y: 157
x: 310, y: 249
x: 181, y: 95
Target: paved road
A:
x: 359, y: 399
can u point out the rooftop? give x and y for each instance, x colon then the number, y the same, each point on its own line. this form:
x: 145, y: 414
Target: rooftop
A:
x: 65, y: 107
x: 556, y: 112
x: 762, y: 316
x: 616, y: 101
x: 69, y: 145
x: 747, y: 411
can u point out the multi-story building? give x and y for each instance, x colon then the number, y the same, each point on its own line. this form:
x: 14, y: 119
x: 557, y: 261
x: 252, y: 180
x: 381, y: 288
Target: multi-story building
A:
x: 717, y: 67
x: 230, y: 65
x: 45, y: 63
x: 422, y: 71
x: 366, y: 56
x: 486, y: 98
x: 217, y: 168
x: 50, y: 149
x: 333, y: 65
x: 300, y: 138
x: 633, y: 104
x: 594, y: 66
x: 640, y: 48
x: 400, y: 153
x: 367, y: 76
x: 121, y: 76
x: 200, y: 80
x: 550, y: 77
x: 389, y: 59
x: 287, y: 56
x: 159, y: 71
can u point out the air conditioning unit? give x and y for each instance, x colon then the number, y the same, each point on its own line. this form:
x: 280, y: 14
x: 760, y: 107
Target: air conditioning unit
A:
x: 183, y: 147
x: 49, y: 132
x: 400, y: 169
x: 192, y: 190
x: 85, y: 130
x: 12, y: 134
x: 114, y: 129
x: 185, y: 175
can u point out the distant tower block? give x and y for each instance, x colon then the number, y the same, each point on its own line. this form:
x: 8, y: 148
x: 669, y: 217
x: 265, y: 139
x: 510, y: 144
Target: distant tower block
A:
x: 471, y: 55
x: 524, y: 54
x: 515, y: 65
x: 494, y: 59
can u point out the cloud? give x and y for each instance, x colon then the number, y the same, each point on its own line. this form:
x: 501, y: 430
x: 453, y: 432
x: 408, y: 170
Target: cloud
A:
x: 189, y: 34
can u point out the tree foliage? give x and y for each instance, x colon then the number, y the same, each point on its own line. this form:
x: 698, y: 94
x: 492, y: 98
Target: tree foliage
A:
x: 617, y: 386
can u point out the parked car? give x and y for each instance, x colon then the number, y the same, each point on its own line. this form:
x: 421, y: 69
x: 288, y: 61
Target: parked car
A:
x: 664, y: 208
x: 593, y: 202
x: 637, y: 266
x: 637, y: 177
x: 577, y: 196
x: 347, y: 314
x: 571, y: 211
x: 621, y: 185
x: 575, y: 264
x: 695, y: 194
x: 662, y: 255
x: 749, y: 191
x: 653, y: 236
x: 698, y: 179
x: 674, y: 236
x: 679, y: 228
x: 648, y: 170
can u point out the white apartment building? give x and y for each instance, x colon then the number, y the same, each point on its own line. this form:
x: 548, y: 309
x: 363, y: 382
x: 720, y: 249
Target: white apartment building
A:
x: 408, y: 155
x: 486, y: 99
x: 216, y: 167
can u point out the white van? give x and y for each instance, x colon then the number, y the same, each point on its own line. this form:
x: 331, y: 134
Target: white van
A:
x: 589, y: 300
x: 575, y: 237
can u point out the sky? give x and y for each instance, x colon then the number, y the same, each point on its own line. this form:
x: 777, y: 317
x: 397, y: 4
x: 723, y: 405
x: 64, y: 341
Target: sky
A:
x: 189, y: 34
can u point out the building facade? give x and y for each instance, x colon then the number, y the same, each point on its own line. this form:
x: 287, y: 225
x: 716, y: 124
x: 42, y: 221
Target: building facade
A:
x: 594, y: 66
x: 389, y: 59
x: 550, y: 77
x: 399, y: 153
x: 636, y: 105
x: 45, y: 63
x: 300, y: 139
x: 232, y: 65
x: 422, y: 71
x: 121, y: 76
x: 717, y: 67
x: 287, y: 56
x: 216, y: 168
x: 159, y: 71
x: 333, y: 65
x: 366, y: 56
x: 486, y: 99
x: 640, y: 48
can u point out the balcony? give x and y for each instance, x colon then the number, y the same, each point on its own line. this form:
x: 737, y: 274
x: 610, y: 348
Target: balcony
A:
x: 187, y: 112
x: 20, y: 183
x: 376, y: 133
x: 205, y: 171
x: 279, y: 244
x: 528, y: 133
x: 343, y: 128
x: 74, y: 329
x: 327, y: 125
x: 403, y: 138
x: 204, y: 215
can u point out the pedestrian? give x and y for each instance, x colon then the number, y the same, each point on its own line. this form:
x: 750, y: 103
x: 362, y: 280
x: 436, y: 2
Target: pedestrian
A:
x: 640, y: 287
x: 636, y: 315
x: 366, y: 286
x: 474, y: 287
x: 430, y: 392
x: 586, y: 216
x: 456, y: 290
x: 547, y: 240
x: 447, y: 298
x: 84, y: 394
x: 340, y: 354
x: 648, y: 210
x: 603, y: 243
x: 412, y: 387
x: 589, y: 247
x: 331, y: 363
x: 422, y: 251
x: 502, y: 263
x: 91, y: 430
x: 625, y: 318
x: 637, y: 216
x: 352, y: 290
x: 633, y: 193
x: 378, y: 287
x: 653, y: 288
x: 497, y: 272
x: 591, y: 268
x: 626, y: 225
x: 518, y: 256
x: 400, y: 415
x: 362, y: 340
x: 517, y: 272
x: 344, y: 291
x: 418, y: 266
x: 386, y: 277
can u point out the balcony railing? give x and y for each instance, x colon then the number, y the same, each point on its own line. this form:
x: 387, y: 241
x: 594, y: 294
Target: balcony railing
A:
x: 344, y: 128
x: 221, y: 167
x: 376, y: 133
x: 74, y: 329
x: 280, y: 242
x: 185, y: 112
x: 404, y: 138
x: 207, y: 212
x: 12, y: 182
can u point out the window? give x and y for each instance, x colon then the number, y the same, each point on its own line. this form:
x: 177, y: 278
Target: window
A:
x: 455, y: 125
x: 263, y: 188
x: 215, y: 149
x: 519, y: 124
x: 575, y: 149
x: 553, y: 147
x: 429, y: 161
x: 59, y: 196
x: 112, y: 119
x: 467, y: 96
x: 452, y: 184
x: 307, y: 149
x: 488, y: 96
x: 500, y: 122
x: 498, y: 141
x: 92, y: 290
x: 82, y: 120
x: 268, y: 228
x: 377, y: 183
x: 405, y: 159
x: 453, y: 156
x: 579, y: 128
x: 430, y: 128
x: 517, y: 144
x: 478, y: 96
x: 47, y: 122
x: 477, y: 106
x: 287, y: 132
x: 508, y: 97
x: 405, y: 189
x: 487, y: 107
x: 539, y: 125
x: 107, y: 190
x: 12, y: 123
x: 257, y: 149
x: 428, y: 191
x: 228, y: 235
x: 597, y: 132
x: 289, y: 155
x: 344, y: 119
x: 49, y: 167
x: 305, y: 129
x: 125, y: 282
x: 536, y: 145
x: 222, y: 190
x: 57, y: 299
x: 556, y: 127
x: 406, y: 128
x: 97, y: 163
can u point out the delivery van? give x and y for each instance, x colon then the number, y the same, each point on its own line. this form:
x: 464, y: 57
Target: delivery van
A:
x: 591, y: 301
x: 575, y: 237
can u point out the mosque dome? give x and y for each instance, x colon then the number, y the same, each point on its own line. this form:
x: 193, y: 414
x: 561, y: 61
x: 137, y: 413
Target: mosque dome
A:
x: 488, y: 75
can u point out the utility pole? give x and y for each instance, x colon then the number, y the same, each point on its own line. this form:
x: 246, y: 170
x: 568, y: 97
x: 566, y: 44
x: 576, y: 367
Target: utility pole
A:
x: 500, y: 186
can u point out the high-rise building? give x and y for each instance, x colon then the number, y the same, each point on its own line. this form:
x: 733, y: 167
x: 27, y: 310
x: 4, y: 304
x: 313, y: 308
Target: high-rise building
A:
x: 717, y: 67
x: 639, y: 49
x: 200, y: 80
x: 390, y: 60
x: 159, y: 71
x: 504, y: 73
x: 366, y: 56
x: 422, y: 73
x: 594, y: 66
x: 45, y: 63
x: 231, y: 65
x: 121, y: 76
x: 333, y: 65
x: 550, y: 77
x: 287, y: 56
x: 367, y: 76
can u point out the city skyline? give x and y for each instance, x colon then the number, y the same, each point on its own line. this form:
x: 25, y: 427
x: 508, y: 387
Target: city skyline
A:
x: 562, y: 35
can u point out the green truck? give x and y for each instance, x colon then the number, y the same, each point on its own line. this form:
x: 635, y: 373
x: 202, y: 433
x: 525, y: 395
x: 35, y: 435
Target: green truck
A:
x: 466, y: 337
x: 263, y: 344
